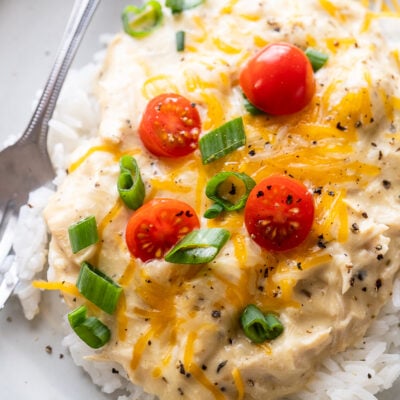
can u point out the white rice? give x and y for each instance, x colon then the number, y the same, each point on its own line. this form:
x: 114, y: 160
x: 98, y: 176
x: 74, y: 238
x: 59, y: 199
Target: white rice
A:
x: 358, y: 373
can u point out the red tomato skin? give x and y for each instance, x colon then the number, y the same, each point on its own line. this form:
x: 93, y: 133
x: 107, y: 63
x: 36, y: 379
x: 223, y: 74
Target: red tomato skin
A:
x: 279, y: 79
x: 283, y: 203
x: 157, y: 226
x: 170, y: 126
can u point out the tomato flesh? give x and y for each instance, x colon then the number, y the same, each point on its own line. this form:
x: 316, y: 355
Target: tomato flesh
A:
x: 170, y: 126
x: 279, y: 213
x: 157, y: 226
x: 279, y: 79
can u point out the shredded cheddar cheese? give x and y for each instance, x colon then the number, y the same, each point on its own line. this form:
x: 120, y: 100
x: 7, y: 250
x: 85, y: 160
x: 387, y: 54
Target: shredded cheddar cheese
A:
x: 65, y: 287
x: 157, y: 85
x: 107, y: 148
x: 195, y: 370
x: 238, y: 383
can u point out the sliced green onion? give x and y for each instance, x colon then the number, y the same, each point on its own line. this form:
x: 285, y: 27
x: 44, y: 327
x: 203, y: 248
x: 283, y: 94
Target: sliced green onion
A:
x: 177, y: 6
x: 259, y: 327
x: 230, y: 189
x: 180, y: 40
x: 98, y: 288
x: 214, y: 210
x: 317, y: 59
x: 130, y: 184
x: 83, y: 234
x: 141, y: 21
x: 90, y: 329
x: 198, y: 247
x: 250, y: 107
x: 275, y: 326
x: 222, y: 141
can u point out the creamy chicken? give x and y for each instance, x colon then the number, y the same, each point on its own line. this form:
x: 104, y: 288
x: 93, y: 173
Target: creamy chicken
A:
x: 176, y: 331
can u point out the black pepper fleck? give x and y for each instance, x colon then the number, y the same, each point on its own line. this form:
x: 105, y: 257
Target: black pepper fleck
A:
x: 361, y: 275
x: 355, y: 228
x: 340, y: 127
x: 318, y: 190
x: 221, y: 365
x: 321, y: 242
x: 386, y: 184
x: 299, y: 267
x: 181, y: 368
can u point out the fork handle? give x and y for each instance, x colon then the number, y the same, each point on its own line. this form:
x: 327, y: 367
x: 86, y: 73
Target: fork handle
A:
x: 79, y: 19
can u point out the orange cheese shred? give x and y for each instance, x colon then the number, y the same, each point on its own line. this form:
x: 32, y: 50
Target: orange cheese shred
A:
x: 195, y: 370
x: 237, y: 378
x: 107, y: 148
x: 65, y: 287
x: 122, y: 318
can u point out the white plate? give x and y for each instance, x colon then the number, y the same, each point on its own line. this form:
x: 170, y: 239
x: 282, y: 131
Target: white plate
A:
x: 33, y: 363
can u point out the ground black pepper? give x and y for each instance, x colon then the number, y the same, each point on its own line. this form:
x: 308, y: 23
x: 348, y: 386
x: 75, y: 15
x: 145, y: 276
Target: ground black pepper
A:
x: 221, y: 365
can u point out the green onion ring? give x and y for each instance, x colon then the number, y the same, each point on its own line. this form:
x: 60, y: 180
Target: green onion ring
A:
x: 180, y: 40
x: 222, y: 140
x: 98, y: 288
x: 213, y: 211
x: 90, y: 329
x: 259, y: 327
x: 130, y: 184
x: 317, y: 58
x: 217, y: 180
x: 141, y: 21
x: 177, y: 6
x: 198, y: 247
x: 83, y: 234
x: 250, y: 107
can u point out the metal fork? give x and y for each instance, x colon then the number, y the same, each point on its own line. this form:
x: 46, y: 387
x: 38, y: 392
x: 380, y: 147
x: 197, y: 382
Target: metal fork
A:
x: 26, y: 165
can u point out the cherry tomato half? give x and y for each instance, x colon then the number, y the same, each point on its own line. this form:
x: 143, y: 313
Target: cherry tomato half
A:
x: 279, y: 79
x: 170, y: 126
x: 157, y: 226
x: 279, y: 213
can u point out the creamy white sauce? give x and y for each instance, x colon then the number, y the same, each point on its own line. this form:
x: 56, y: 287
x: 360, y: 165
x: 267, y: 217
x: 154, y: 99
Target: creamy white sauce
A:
x: 328, y: 290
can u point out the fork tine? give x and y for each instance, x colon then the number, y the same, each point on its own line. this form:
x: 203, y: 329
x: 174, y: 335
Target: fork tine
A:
x: 10, y: 279
x: 7, y: 231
